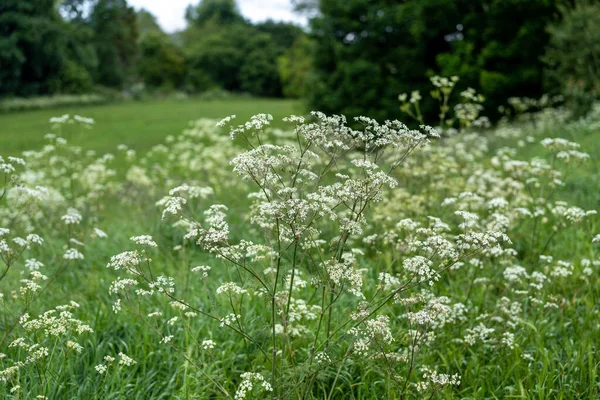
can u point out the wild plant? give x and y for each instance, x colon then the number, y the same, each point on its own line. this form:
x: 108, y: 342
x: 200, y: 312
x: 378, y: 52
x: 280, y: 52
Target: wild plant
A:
x: 464, y: 114
x: 525, y: 200
x: 302, y: 296
x: 325, y: 260
x: 49, y: 193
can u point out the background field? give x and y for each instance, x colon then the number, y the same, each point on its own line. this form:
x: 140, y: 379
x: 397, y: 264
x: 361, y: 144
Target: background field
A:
x: 139, y: 125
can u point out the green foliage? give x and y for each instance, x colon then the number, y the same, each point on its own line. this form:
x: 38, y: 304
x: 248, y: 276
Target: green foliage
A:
x: 369, y: 51
x: 75, y: 46
x: 228, y: 52
x: 31, y: 47
x: 366, y: 53
x: 73, y: 78
x: 500, y: 47
x: 81, y: 58
x: 283, y: 34
x: 573, y: 54
x: 258, y: 74
x: 213, y: 55
x: 294, y: 67
x: 306, y: 6
x: 223, y: 12
x: 115, y: 38
x: 146, y: 23
x: 161, y: 63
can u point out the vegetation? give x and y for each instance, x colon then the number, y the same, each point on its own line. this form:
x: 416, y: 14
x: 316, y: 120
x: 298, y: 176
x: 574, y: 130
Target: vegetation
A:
x: 304, y: 262
x: 368, y: 51
x: 139, y: 125
x: 32, y: 48
x: 77, y: 46
x: 353, y: 59
x: 224, y: 50
x: 41, y: 102
x: 573, y: 56
x: 445, y: 244
x: 295, y: 66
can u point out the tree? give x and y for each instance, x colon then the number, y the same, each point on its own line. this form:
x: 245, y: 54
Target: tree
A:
x: 258, y: 73
x: 211, y: 44
x: 368, y: 51
x: 223, y: 49
x: 161, y: 63
x: 81, y: 59
x: 499, y: 47
x: 573, y: 55
x: 76, y: 10
x: 222, y: 12
x: 283, y: 34
x: 146, y: 23
x: 214, y: 56
x: 32, y: 47
x: 294, y: 67
x: 307, y: 7
x: 115, y: 40
x: 365, y: 55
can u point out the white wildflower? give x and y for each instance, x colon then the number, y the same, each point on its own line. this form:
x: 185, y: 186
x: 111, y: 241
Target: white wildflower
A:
x: 72, y: 217
x: 143, y: 240
x: 73, y: 254
x: 208, y: 344
x: 126, y: 360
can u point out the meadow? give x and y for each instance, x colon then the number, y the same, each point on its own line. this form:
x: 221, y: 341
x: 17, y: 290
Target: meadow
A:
x: 138, y: 124
x: 151, y: 254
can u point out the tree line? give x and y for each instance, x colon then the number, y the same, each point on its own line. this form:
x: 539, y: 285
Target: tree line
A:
x: 366, y: 52
x: 355, y: 56
x: 79, y: 46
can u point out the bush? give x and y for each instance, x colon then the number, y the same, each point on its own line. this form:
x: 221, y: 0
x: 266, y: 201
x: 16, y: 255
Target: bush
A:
x: 294, y: 68
x: 573, y: 55
x: 161, y: 63
x: 368, y: 51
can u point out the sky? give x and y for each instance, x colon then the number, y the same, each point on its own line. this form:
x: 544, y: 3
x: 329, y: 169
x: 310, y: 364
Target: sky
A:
x: 169, y: 13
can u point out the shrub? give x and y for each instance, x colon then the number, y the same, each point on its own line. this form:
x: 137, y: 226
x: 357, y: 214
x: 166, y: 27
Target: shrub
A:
x: 573, y: 54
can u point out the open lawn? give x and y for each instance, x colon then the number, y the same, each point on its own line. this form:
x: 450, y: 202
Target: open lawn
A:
x: 140, y: 125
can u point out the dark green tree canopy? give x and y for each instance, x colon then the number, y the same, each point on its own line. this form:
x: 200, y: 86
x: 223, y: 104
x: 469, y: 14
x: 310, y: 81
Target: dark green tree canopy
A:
x: 161, y: 63
x: 223, y: 12
x: 573, y: 55
x: 365, y: 55
x: 360, y: 56
x: 222, y: 49
x: 146, y: 23
x: 282, y: 33
x: 368, y: 51
x: 31, y: 47
x: 501, y: 47
x: 115, y: 38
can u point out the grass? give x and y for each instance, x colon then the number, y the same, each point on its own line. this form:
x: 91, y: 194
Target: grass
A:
x: 565, y: 341
x: 583, y: 182
x: 139, y: 125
